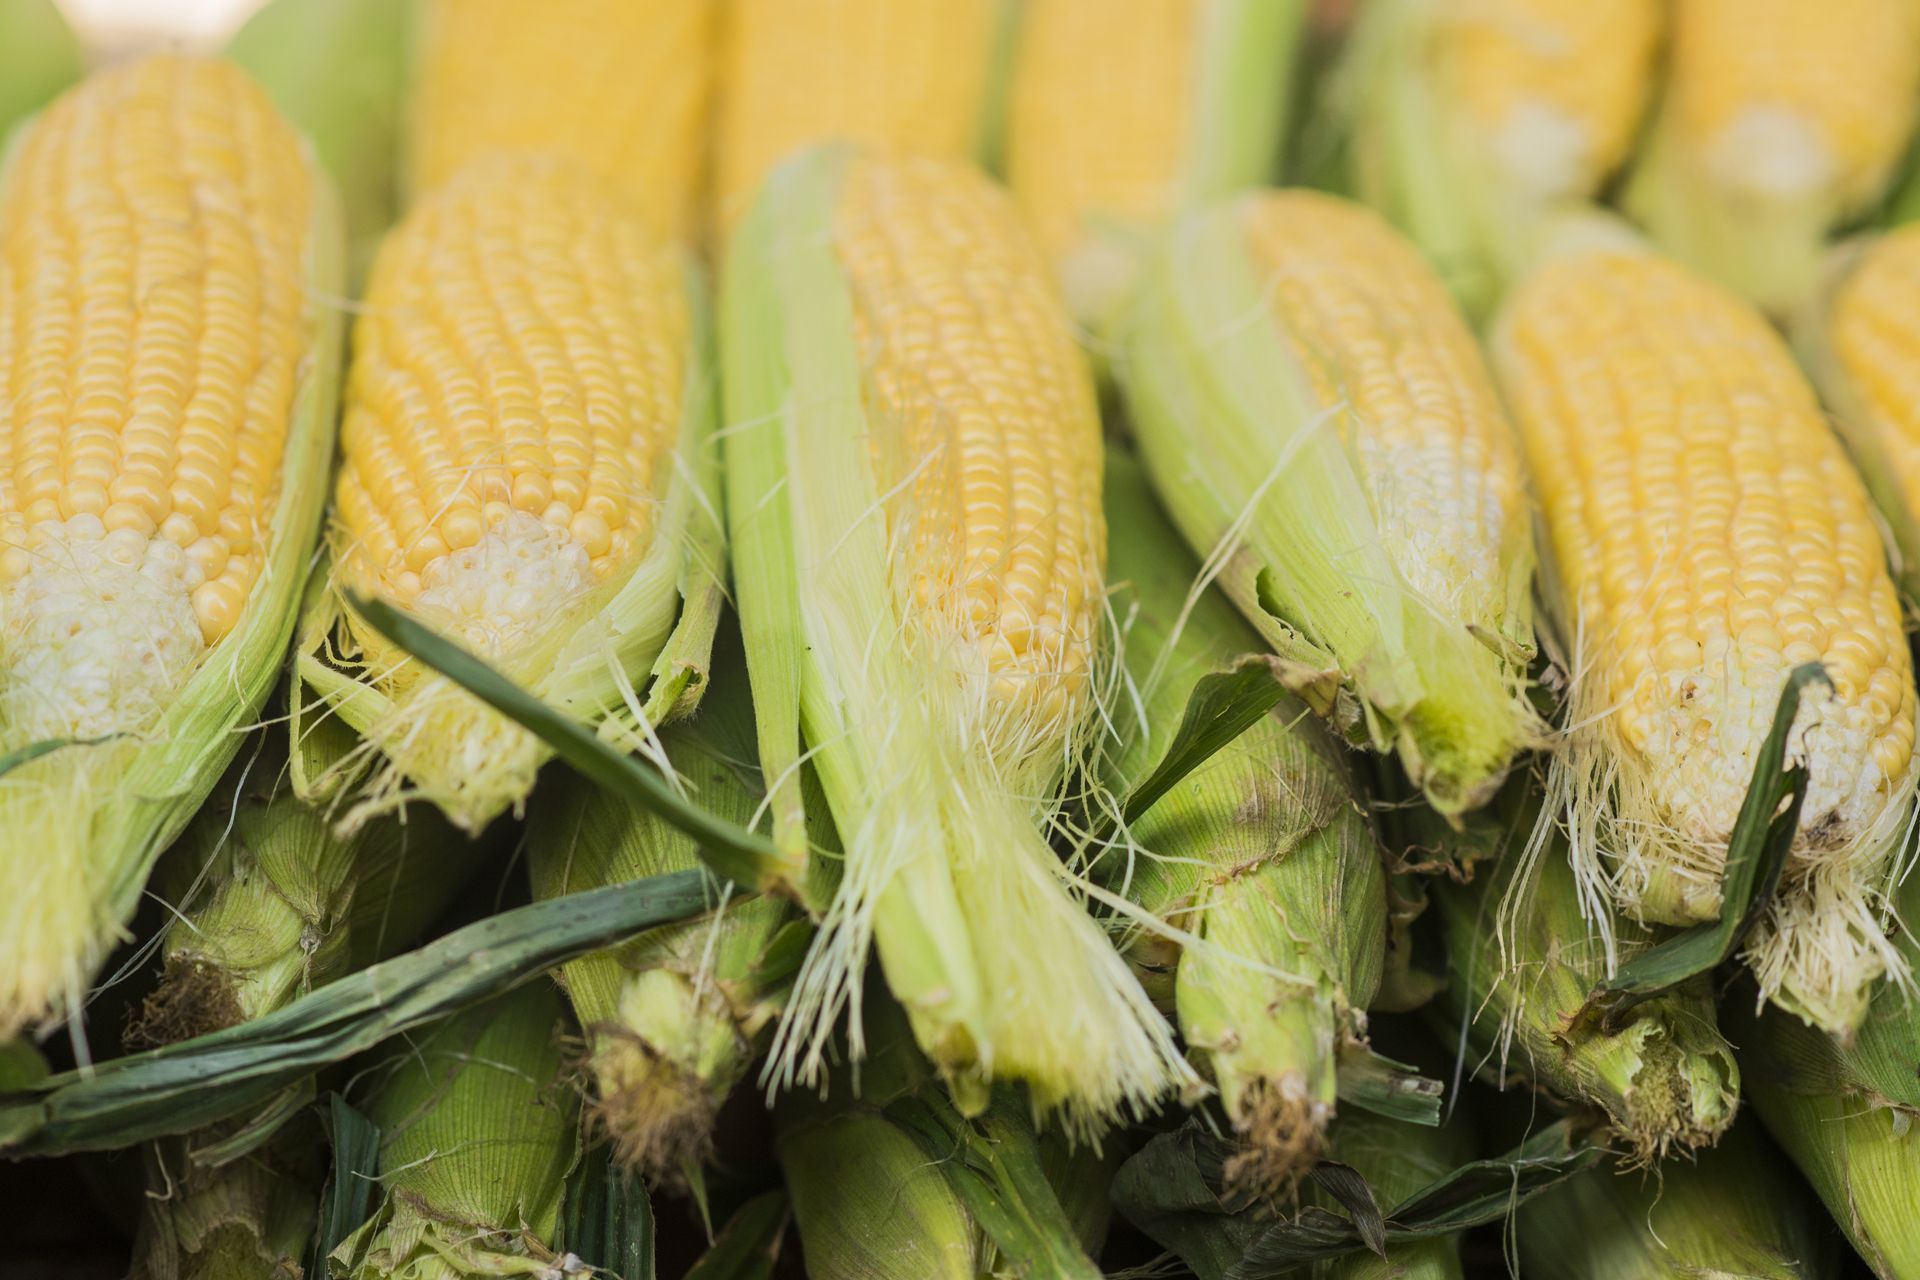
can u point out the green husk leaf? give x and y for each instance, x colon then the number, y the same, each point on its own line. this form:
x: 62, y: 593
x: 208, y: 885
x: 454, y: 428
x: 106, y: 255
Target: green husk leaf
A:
x: 606, y: 1219
x: 140, y: 790
x: 248, y: 1220
x: 1732, y: 1211
x: 1397, y: 1163
x: 1258, y: 851
x: 338, y: 70
x: 749, y: 1245
x: 1394, y: 1090
x: 1523, y: 960
x: 39, y: 56
x: 1757, y: 853
x: 198, y: 1082
x: 733, y: 852
x: 348, y: 1199
x: 1174, y: 1190
x: 477, y: 1133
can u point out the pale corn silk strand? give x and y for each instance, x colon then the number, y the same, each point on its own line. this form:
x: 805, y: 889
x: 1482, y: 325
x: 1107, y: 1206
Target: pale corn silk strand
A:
x: 517, y: 386
x: 1709, y: 536
x: 154, y: 234
x: 965, y: 694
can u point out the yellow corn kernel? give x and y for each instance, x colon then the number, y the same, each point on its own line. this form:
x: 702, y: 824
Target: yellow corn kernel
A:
x: 619, y: 85
x: 152, y: 324
x: 1552, y: 89
x: 795, y: 72
x: 1710, y: 535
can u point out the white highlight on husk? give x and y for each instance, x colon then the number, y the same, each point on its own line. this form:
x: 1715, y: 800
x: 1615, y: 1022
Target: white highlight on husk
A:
x: 97, y: 630
x: 1774, y: 152
x: 1544, y: 148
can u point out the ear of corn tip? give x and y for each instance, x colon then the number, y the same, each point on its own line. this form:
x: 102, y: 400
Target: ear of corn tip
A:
x: 1273, y: 371
x: 1524, y: 958
x: 1124, y: 115
x: 1779, y: 123
x: 188, y: 536
x: 477, y: 1135
x: 1261, y: 856
x: 1474, y: 123
x: 557, y: 516
x: 1746, y: 545
x: 929, y: 622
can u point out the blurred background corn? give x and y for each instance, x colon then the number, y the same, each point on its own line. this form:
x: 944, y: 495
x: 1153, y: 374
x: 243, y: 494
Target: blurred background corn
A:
x: 1855, y: 340
x: 1780, y: 121
x: 1734, y: 1210
x: 923, y: 77
x: 1318, y: 420
x: 167, y: 352
x: 913, y: 459
x: 1708, y: 536
x: 1261, y: 856
x: 477, y: 1133
x: 524, y: 468
x: 1471, y: 123
x: 1522, y: 958
x: 621, y: 87
x: 1123, y: 114
x: 673, y: 1018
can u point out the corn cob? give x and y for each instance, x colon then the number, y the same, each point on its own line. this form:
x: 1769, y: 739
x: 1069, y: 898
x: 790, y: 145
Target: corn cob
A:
x: 619, y: 86
x: 39, y: 56
x: 1522, y: 959
x: 477, y: 1134
x: 1709, y: 536
x: 525, y: 468
x: 1472, y: 122
x: 793, y: 72
x: 672, y: 1018
x: 1124, y: 114
x: 913, y: 463
x: 1260, y: 855
x: 1854, y: 345
x: 1780, y: 120
x: 1731, y: 1211
x: 1398, y: 1160
x: 167, y: 247
x: 271, y: 903
x: 1320, y: 425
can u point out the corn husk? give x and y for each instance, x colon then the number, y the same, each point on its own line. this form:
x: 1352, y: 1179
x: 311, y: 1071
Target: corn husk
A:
x: 888, y: 1182
x: 1845, y: 1111
x: 477, y: 1134
x: 1524, y: 960
x: 250, y: 1218
x: 1253, y: 460
x: 99, y: 813
x: 271, y: 902
x: 1261, y: 856
x: 673, y: 1017
x: 1733, y: 1211
x: 39, y: 56
x: 337, y: 68
x: 942, y: 816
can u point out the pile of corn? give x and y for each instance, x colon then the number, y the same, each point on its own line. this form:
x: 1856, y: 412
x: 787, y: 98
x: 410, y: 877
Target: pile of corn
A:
x: 923, y: 638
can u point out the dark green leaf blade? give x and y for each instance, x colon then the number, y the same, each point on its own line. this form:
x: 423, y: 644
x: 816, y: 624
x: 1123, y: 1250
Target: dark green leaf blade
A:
x: 733, y: 852
x: 1222, y: 706
x: 749, y: 1245
x: 1757, y: 852
x: 348, y: 1199
x: 606, y: 1220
